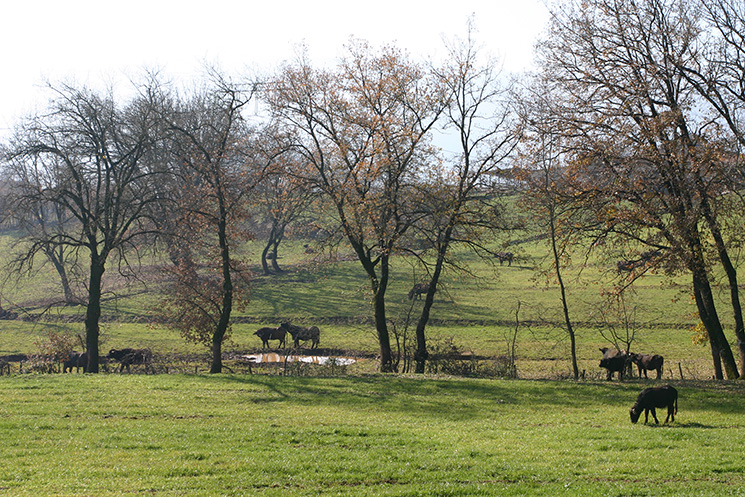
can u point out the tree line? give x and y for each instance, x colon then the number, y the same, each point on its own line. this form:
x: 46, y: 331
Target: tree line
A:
x: 629, y: 133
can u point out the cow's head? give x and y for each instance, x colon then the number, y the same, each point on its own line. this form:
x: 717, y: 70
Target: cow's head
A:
x: 635, y: 413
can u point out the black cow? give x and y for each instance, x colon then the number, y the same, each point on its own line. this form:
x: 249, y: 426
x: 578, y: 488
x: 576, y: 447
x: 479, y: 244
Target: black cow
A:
x: 645, y: 259
x: 648, y: 362
x: 614, y: 360
x: 505, y: 256
x: 76, y: 360
x: 300, y: 333
x: 128, y: 357
x: 418, y: 290
x: 625, y: 266
x: 651, y: 398
x: 267, y: 334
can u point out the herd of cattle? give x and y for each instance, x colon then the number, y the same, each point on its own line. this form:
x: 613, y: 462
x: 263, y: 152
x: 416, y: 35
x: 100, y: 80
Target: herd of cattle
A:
x: 618, y: 361
x: 77, y: 360
x: 298, y: 334
x: 125, y: 357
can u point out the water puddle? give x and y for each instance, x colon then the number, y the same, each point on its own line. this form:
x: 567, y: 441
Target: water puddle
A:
x: 273, y: 357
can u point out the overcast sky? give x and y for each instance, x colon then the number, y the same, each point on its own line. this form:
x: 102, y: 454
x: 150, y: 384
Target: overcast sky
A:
x: 95, y: 41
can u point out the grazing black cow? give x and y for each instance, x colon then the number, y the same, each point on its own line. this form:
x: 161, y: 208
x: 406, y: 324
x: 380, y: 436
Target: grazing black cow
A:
x: 648, y: 362
x: 76, y: 360
x: 267, y: 334
x: 625, y: 266
x: 300, y: 333
x: 418, y: 290
x: 614, y: 360
x: 128, y: 357
x: 645, y: 259
x: 505, y: 256
x: 651, y: 398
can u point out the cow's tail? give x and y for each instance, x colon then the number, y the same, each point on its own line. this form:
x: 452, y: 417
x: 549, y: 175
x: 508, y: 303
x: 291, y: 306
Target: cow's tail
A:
x: 676, y: 404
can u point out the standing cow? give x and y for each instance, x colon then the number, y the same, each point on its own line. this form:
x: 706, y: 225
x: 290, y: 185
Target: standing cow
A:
x: 76, y: 360
x: 418, y: 290
x: 300, y: 333
x: 129, y: 357
x: 504, y: 256
x: 648, y: 362
x: 614, y: 360
x: 651, y: 398
x: 267, y: 334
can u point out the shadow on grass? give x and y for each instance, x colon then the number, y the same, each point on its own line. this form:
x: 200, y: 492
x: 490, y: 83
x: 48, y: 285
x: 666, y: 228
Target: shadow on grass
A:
x: 449, y: 398
x: 458, y: 399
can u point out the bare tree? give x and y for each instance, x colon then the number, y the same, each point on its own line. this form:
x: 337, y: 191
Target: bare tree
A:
x: 455, y: 209
x: 640, y: 155
x: 542, y: 169
x: 715, y: 67
x: 206, y: 132
x: 282, y: 198
x: 85, y: 157
x: 41, y: 223
x: 363, y: 129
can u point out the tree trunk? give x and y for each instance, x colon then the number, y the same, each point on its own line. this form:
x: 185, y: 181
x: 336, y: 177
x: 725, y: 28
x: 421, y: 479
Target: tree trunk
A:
x: 381, y: 323
x: 59, y: 266
x: 709, y: 317
x: 421, y: 355
x: 93, y: 311
x: 564, y: 303
x: 264, y: 264
x: 227, y: 296
x: 275, y: 254
x: 734, y: 289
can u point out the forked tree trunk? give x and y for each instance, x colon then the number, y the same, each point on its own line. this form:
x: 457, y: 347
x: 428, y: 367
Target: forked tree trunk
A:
x: 721, y: 351
x: 734, y: 287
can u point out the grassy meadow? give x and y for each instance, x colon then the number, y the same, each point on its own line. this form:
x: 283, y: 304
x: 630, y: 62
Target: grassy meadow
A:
x: 235, y: 435
x: 319, y: 431
x: 475, y: 311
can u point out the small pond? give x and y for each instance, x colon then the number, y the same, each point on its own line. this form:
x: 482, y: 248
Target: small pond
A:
x: 273, y: 357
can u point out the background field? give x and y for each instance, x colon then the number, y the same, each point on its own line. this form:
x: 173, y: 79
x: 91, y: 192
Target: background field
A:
x: 475, y: 310
x: 351, y: 431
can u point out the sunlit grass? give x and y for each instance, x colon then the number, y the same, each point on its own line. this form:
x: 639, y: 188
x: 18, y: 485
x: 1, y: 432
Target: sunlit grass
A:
x: 269, y: 435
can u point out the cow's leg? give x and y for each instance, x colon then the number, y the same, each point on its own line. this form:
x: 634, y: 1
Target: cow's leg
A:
x: 654, y: 415
x: 670, y: 413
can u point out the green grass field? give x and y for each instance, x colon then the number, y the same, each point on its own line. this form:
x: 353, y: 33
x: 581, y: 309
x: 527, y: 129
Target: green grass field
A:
x: 474, y: 311
x: 173, y: 435
x: 317, y: 431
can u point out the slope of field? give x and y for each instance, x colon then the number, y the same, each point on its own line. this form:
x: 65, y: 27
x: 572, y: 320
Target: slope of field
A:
x: 476, y: 310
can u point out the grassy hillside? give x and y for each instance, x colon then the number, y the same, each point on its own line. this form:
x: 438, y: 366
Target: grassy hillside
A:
x: 475, y: 309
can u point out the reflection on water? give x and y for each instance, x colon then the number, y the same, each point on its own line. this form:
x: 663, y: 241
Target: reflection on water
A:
x: 314, y: 359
